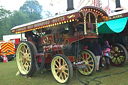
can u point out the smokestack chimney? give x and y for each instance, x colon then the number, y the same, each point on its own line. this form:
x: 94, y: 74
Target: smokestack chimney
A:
x: 70, y: 5
x: 118, y: 6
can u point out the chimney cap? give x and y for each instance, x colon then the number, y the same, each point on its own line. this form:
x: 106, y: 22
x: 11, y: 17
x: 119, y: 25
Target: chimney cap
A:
x: 70, y: 9
x: 119, y: 9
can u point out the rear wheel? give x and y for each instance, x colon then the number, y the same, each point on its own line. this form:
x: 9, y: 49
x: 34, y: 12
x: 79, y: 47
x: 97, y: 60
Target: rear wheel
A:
x: 118, y: 55
x: 89, y: 59
x: 25, y: 58
x: 61, y: 68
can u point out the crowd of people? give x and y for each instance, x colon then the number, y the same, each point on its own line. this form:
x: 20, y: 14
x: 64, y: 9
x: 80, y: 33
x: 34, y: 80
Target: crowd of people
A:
x: 100, y: 51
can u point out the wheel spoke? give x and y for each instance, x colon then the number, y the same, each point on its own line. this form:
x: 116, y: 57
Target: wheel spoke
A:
x: 59, y: 62
x: 89, y: 67
x: 65, y: 68
x: 26, y: 63
x: 56, y: 65
x: 63, y: 62
x: 116, y: 61
x: 64, y: 65
x: 26, y: 49
x: 86, y: 69
x: 28, y: 60
x: 87, y: 58
x: 65, y: 76
x: 23, y: 68
x: 65, y: 73
x: 62, y: 76
x: 121, y: 59
x: 84, y: 56
x: 112, y: 57
x: 57, y: 72
x: 27, y: 55
x: 90, y: 61
x: 21, y: 52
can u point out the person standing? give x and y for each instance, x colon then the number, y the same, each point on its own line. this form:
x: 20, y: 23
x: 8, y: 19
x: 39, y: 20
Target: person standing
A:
x: 106, y: 51
x: 96, y: 49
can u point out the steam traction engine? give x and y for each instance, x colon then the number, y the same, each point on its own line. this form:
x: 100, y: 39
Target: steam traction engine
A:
x: 55, y: 42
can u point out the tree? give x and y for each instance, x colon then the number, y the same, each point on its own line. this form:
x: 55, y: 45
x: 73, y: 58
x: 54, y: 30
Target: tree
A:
x: 18, y: 18
x: 10, y: 19
x: 30, y: 11
x: 46, y: 13
x: 33, y: 9
x: 4, y: 15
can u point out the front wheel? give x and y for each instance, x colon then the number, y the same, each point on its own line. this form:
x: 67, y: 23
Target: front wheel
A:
x: 90, y: 62
x: 25, y: 58
x: 61, y: 68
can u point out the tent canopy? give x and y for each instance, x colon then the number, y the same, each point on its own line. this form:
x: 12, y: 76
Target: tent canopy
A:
x: 112, y: 26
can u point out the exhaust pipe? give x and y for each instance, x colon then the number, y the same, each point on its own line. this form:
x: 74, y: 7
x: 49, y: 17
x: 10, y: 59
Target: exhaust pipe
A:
x: 118, y: 4
x: 70, y: 5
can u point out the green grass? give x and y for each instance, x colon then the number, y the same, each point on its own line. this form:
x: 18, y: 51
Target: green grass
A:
x: 8, y: 76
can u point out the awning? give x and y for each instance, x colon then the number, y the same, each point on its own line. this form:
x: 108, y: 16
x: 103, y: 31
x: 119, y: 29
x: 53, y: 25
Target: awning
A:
x: 112, y: 26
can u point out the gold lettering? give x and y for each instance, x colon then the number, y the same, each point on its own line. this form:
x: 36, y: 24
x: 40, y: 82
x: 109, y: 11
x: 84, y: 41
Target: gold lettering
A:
x: 117, y: 16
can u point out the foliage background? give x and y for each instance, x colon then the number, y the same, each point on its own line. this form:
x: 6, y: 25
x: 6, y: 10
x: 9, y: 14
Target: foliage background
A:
x: 30, y: 11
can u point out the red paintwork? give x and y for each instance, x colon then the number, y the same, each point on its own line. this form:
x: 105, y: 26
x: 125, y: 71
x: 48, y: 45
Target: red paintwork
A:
x: 48, y: 57
x: 71, y: 58
x: 47, y: 39
x: 48, y: 60
x: 39, y: 59
x: 85, y: 47
x: 60, y: 51
x: 73, y: 39
x: 53, y: 47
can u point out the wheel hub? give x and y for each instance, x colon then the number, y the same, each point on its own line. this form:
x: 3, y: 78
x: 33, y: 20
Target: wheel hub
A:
x: 60, y: 69
x: 115, y: 55
x: 25, y: 59
x: 86, y: 62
